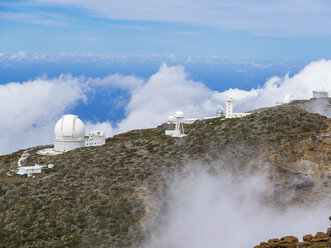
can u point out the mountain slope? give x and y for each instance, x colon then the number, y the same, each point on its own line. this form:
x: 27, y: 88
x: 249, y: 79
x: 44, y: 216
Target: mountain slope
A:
x: 95, y: 196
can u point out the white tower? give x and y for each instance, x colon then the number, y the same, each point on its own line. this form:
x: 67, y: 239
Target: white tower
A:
x: 178, y: 119
x: 229, y: 108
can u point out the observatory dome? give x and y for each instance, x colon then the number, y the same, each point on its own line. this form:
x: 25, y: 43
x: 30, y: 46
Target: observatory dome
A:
x: 219, y: 113
x: 69, y: 127
x: 69, y: 133
x: 179, y: 114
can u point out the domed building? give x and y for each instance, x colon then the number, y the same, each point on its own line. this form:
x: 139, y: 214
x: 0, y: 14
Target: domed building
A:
x: 69, y: 133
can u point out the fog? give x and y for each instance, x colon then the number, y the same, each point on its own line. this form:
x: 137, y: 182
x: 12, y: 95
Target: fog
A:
x: 206, y: 209
x: 322, y: 107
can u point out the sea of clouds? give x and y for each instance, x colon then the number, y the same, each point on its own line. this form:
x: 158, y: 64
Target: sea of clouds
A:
x: 30, y: 109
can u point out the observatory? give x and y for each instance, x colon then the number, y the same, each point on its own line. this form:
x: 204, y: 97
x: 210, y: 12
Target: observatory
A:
x: 29, y: 170
x: 69, y: 133
x: 178, y: 120
x: 287, y: 99
x: 320, y: 93
x: 219, y: 113
x: 229, y: 110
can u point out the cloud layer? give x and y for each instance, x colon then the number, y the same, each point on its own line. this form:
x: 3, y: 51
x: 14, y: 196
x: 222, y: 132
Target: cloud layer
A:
x: 33, y: 107
x: 171, y: 89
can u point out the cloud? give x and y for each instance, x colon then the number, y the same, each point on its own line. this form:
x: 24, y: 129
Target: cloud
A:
x: 129, y: 83
x: 102, y: 126
x: 200, y: 209
x: 34, y: 106
x: 19, y: 55
x: 45, y: 19
x: 30, y: 110
x: 171, y: 89
x: 272, y: 18
x: 164, y: 93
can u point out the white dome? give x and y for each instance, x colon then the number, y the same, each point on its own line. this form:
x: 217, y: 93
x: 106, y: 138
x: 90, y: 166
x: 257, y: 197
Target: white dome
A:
x: 219, y: 112
x: 70, y: 128
x: 179, y: 114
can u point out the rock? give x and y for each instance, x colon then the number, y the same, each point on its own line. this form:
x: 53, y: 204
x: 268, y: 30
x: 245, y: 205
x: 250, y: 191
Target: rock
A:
x: 321, y: 240
x: 308, y: 238
x: 284, y: 242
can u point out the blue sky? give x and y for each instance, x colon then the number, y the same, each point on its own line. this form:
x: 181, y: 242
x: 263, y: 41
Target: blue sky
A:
x: 292, y: 29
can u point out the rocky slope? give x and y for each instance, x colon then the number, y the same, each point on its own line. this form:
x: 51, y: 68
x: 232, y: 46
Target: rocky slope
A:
x: 95, y: 196
x: 320, y: 240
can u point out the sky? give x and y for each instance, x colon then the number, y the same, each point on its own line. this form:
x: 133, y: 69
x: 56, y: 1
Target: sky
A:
x: 274, y: 29
x: 122, y: 65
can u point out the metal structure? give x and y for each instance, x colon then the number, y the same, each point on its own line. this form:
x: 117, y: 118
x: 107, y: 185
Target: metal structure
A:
x: 178, y: 120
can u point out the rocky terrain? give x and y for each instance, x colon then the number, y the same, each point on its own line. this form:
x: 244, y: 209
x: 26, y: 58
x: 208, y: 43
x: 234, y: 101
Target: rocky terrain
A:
x: 320, y: 240
x: 95, y: 196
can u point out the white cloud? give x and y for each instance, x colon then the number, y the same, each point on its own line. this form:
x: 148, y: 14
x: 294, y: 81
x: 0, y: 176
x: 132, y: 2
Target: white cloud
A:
x: 30, y: 110
x: 46, y: 19
x: 275, y: 18
x: 164, y: 93
x: 34, y: 106
x: 102, y: 126
x: 170, y: 89
x: 118, y: 81
x: 19, y: 55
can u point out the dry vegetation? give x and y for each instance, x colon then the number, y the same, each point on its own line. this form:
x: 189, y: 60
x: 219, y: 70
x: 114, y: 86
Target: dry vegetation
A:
x: 93, y: 196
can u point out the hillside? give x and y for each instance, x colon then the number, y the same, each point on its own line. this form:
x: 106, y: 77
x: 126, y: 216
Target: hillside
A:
x: 95, y: 196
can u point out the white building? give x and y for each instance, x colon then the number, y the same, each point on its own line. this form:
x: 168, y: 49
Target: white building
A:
x: 69, y: 133
x: 178, y: 119
x: 29, y: 170
x: 95, y: 138
x: 229, y: 110
x: 320, y: 93
x: 287, y: 99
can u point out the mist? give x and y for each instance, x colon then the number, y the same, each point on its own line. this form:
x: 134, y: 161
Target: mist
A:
x: 321, y: 106
x: 220, y: 209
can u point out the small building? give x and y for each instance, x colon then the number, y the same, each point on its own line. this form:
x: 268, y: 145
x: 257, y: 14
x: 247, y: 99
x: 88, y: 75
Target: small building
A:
x: 320, y: 93
x: 29, y: 170
x: 95, y: 138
